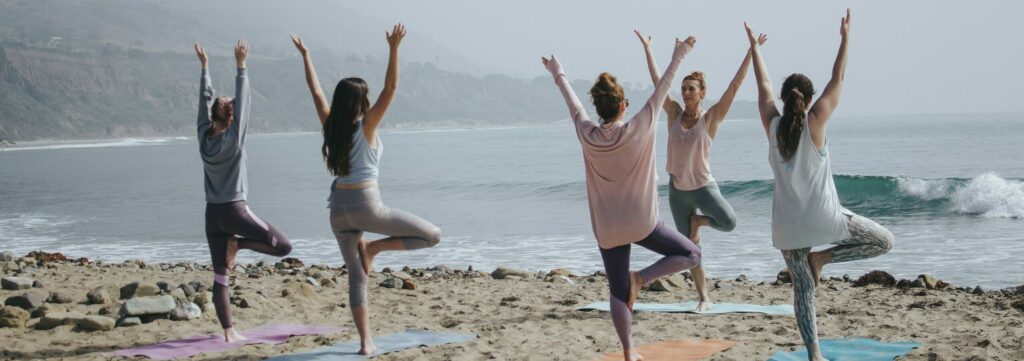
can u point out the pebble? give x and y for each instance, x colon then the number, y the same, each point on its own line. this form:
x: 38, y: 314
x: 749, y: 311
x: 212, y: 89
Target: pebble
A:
x: 129, y: 322
x: 507, y: 272
x: 59, y: 297
x: 96, y: 323
x: 27, y: 301
x: 16, y: 283
x: 148, y: 305
x: 100, y: 295
x: 11, y: 316
x: 55, y: 319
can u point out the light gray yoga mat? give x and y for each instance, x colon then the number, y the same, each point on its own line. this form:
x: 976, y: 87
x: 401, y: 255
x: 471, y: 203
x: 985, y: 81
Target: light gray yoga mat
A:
x: 345, y: 351
x: 691, y: 307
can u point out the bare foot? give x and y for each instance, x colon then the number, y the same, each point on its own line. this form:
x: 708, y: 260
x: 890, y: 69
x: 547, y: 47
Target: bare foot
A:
x: 631, y: 355
x: 636, y: 281
x: 231, y: 252
x: 817, y: 261
x: 367, y: 348
x: 367, y: 258
x: 703, y: 304
x: 231, y: 336
x: 696, y: 221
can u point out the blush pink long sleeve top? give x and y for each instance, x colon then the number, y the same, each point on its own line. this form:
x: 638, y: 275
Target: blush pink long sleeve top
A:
x: 618, y: 158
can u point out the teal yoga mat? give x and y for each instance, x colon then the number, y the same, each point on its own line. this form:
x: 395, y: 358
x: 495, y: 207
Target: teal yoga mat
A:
x: 852, y: 349
x: 345, y: 351
x: 691, y: 307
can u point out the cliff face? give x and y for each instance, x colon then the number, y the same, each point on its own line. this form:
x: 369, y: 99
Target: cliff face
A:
x: 56, y: 94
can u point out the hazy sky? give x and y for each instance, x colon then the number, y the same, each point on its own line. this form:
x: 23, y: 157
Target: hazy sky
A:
x: 905, y: 56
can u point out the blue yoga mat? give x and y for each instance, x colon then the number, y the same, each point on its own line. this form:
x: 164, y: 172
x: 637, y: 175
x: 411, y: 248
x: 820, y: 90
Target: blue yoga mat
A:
x: 394, y: 342
x: 691, y: 307
x: 852, y: 349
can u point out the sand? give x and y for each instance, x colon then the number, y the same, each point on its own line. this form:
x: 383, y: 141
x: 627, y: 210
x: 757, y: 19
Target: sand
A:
x: 529, y: 318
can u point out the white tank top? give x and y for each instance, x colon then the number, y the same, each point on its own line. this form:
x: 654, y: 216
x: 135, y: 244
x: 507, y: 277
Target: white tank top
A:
x: 805, y: 209
x: 689, y: 154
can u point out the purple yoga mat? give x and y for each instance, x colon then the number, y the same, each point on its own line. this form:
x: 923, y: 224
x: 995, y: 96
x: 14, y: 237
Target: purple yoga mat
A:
x: 187, y: 347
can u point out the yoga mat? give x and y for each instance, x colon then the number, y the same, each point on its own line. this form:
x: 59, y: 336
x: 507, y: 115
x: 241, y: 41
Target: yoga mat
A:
x: 691, y: 307
x: 194, y: 345
x: 852, y: 349
x: 394, y: 342
x: 675, y: 350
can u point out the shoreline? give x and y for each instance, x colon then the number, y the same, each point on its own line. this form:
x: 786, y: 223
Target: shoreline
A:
x: 527, y: 315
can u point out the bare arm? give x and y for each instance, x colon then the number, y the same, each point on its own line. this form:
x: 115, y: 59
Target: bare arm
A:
x: 374, y: 116
x: 671, y: 106
x: 765, y: 97
x: 716, y: 114
x: 822, y: 109
x: 323, y: 109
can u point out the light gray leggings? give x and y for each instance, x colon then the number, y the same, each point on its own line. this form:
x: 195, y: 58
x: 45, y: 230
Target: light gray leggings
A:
x: 356, y: 211
x: 867, y: 239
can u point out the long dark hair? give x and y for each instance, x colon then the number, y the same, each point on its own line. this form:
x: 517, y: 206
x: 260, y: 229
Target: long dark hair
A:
x: 348, y: 104
x: 797, y: 91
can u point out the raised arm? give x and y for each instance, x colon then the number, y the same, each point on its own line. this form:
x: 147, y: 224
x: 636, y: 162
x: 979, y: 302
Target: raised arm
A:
x: 323, y: 109
x: 671, y: 106
x: 243, y: 97
x: 822, y: 109
x: 649, y: 114
x: 576, y: 111
x: 205, y: 93
x: 374, y: 116
x: 765, y: 98
x: 716, y: 114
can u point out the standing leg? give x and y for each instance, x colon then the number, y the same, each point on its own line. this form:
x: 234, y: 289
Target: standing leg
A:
x: 803, y: 299
x: 348, y: 241
x: 616, y: 266
x: 684, y: 209
x: 216, y: 239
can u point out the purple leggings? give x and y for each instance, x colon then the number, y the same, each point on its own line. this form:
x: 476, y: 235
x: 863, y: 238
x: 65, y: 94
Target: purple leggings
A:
x: 680, y: 254
x: 224, y: 220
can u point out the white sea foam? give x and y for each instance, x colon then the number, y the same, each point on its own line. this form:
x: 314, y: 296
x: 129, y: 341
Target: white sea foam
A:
x: 926, y: 189
x: 991, y: 197
x: 127, y: 142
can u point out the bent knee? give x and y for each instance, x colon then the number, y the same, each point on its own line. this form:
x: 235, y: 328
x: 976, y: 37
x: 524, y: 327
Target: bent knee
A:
x: 727, y: 223
x: 433, y: 236
x: 886, y: 241
x: 696, y: 256
x: 284, y: 247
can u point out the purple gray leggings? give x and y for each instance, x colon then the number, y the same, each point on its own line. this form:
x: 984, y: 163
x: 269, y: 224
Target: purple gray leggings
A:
x: 680, y: 254
x: 235, y: 218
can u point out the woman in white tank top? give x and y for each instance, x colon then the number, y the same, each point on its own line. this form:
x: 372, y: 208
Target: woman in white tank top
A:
x: 690, y: 132
x: 805, y: 209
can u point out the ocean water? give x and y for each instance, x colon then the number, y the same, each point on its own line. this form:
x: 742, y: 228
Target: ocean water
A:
x: 950, y: 187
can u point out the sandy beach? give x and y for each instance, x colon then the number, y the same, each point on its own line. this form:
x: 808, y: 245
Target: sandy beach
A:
x: 531, y: 316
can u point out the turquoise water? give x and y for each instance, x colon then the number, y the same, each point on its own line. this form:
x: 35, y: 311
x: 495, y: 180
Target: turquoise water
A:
x: 951, y: 188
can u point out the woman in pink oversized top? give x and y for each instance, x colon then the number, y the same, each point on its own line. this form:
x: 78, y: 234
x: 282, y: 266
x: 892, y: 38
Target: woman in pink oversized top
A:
x: 622, y: 187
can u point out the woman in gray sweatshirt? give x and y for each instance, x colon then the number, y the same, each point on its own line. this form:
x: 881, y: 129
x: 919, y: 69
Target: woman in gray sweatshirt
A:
x: 230, y: 224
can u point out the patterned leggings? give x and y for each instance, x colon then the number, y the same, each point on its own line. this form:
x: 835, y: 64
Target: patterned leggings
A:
x: 867, y: 239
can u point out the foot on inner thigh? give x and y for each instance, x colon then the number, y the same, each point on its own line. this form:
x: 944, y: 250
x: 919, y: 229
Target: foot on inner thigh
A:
x: 697, y: 221
x: 636, y: 282
x: 232, y: 251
